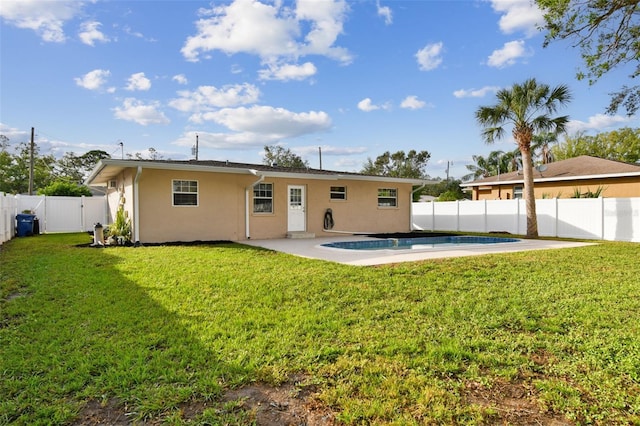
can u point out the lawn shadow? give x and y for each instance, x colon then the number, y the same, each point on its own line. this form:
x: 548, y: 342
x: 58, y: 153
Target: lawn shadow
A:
x: 91, y: 346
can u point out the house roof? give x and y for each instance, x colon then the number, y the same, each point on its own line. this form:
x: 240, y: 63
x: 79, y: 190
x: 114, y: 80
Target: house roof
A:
x: 577, y: 168
x: 109, y: 169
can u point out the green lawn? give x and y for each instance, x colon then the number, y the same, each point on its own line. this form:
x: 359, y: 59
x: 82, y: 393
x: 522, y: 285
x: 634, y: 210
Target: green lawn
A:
x: 475, y: 340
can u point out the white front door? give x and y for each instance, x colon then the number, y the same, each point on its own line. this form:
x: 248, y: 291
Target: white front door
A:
x: 297, y: 216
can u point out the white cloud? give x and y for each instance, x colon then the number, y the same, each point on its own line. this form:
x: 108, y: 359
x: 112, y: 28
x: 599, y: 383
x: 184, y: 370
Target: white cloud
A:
x: 208, y: 98
x: 518, y: 15
x: 93, y: 80
x: 90, y: 33
x: 475, y: 93
x: 270, y: 31
x: 288, y: 72
x: 326, y: 22
x: 15, y: 135
x: 138, y: 81
x: 429, y: 57
x: 46, y: 18
x: 257, y: 126
x: 180, y: 79
x: 412, y: 102
x: 349, y: 163
x: 141, y: 113
x: 242, y: 26
x: 332, y: 150
x: 239, y: 141
x: 270, y: 121
x: 598, y: 122
x: 367, y: 105
x: 385, y: 12
x: 509, y: 54
x: 128, y: 30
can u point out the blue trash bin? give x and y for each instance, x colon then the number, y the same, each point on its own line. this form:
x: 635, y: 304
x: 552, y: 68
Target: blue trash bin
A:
x: 25, y: 224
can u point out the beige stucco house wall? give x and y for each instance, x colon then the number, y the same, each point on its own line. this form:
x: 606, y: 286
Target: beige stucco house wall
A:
x: 225, y: 200
x: 563, y: 178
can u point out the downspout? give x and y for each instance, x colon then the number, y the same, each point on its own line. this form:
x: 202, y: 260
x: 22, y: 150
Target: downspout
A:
x: 246, y: 202
x: 411, y: 205
x: 136, y: 205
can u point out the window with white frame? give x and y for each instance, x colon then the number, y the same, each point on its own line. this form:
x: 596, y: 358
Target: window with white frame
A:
x: 338, y: 193
x: 518, y: 191
x: 263, y: 198
x: 387, y: 197
x: 185, y: 192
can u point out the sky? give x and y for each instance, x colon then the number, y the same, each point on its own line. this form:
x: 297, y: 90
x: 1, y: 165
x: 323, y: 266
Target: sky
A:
x: 334, y: 81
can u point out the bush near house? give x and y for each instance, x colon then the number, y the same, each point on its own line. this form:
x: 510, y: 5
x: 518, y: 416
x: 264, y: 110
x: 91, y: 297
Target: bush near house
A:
x: 68, y: 189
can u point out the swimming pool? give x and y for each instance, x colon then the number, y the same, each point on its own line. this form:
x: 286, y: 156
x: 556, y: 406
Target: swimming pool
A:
x: 418, y: 243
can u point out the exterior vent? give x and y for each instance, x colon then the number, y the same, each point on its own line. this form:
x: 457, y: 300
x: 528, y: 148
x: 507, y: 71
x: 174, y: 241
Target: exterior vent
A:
x: 112, y: 184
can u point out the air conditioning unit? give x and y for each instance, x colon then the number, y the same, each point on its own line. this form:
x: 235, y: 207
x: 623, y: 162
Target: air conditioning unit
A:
x: 112, y: 184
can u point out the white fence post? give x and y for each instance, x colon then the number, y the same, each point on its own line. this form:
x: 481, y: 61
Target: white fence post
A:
x: 602, y: 217
x: 8, y: 206
x: 518, y: 217
x: 484, y: 223
x: 555, y: 218
x: 433, y: 216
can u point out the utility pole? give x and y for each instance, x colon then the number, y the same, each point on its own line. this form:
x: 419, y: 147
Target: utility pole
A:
x: 31, y: 163
x: 448, y: 170
x: 320, y: 154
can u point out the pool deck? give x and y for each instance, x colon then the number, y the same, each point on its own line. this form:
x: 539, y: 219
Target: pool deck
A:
x: 312, y: 248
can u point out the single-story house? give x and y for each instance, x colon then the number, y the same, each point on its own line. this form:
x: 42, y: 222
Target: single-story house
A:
x: 562, y: 179
x: 218, y: 200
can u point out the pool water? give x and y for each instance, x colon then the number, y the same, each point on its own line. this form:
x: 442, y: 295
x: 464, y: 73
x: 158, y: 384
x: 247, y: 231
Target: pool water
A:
x: 418, y: 243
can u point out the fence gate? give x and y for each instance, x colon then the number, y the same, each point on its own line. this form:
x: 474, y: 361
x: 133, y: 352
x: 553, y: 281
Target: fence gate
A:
x: 64, y: 214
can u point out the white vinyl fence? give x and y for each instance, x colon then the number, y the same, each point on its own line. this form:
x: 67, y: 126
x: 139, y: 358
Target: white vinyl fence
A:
x: 55, y: 214
x: 613, y: 219
x: 8, y: 207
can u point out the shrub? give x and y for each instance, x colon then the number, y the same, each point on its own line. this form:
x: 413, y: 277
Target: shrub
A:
x: 68, y: 189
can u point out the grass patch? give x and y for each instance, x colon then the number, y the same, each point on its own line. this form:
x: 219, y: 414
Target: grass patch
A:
x: 158, y: 328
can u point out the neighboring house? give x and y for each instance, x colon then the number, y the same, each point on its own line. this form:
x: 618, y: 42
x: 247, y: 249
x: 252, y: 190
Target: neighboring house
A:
x: 216, y: 200
x: 563, y: 179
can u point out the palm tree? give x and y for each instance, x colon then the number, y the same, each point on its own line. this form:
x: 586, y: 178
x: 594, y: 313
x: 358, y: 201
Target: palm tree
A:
x: 540, y: 147
x: 495, y: 163
x: 481, y: 168
x: 527, y: 108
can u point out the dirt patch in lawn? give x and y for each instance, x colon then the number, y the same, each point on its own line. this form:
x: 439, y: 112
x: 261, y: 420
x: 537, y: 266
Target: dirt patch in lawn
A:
x: 284, y: 405
x: 513, y: 403
x: 287, y: 405
x: 292, y: 404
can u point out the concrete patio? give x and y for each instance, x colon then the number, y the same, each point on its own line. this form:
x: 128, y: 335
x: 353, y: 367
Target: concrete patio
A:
x: 312, y: 248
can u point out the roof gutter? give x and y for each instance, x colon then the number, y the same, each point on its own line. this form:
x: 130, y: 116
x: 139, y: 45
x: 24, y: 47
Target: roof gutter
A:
x: 551, y: 179
x: 246, y: 201
x: 104, y: 163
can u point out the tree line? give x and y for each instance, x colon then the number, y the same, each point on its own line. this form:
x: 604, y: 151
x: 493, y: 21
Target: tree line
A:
x: 619, y: 145
x: 51, y: 175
